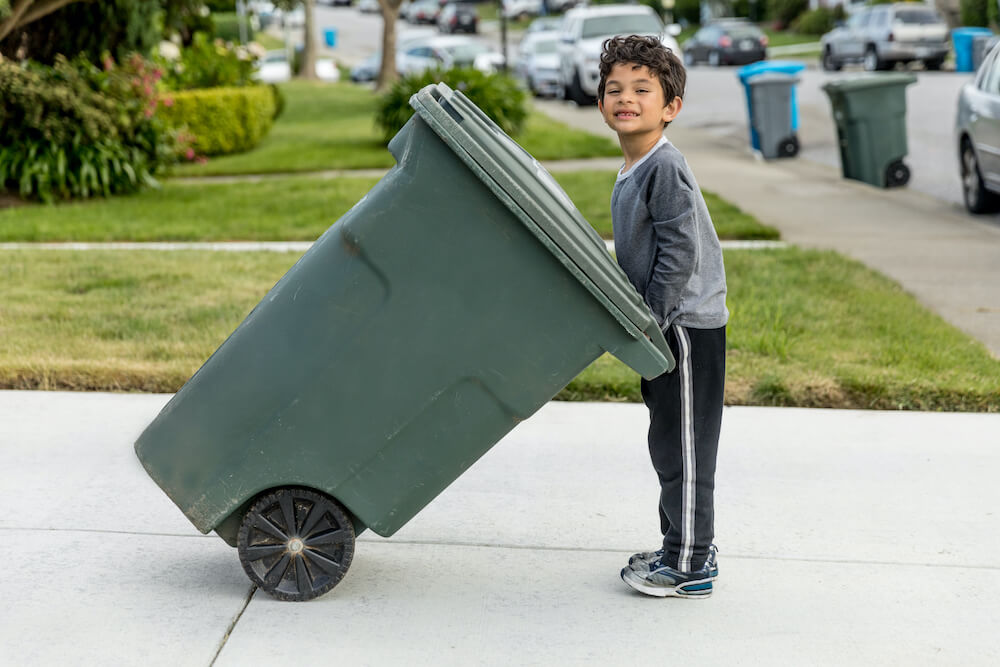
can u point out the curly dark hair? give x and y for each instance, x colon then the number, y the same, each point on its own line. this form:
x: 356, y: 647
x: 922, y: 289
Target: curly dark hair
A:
x: 648, y: 51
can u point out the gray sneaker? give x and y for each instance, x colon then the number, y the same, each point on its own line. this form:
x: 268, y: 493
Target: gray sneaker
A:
x: 640, y: 561
x: 663, y: 581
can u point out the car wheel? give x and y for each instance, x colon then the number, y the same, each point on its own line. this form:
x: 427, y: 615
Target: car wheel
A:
x: 934, y: 65
x: 977, y: 198
x: 576, y: 93
x: 871, y: 62
x: 713, y: 58
x: 830, y: 64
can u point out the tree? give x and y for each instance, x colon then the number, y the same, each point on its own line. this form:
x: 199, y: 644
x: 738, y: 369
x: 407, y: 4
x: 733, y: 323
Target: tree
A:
x: 308, y: 70
x: 387, y: 74
x: 114, y: 27
x: 23, y: 12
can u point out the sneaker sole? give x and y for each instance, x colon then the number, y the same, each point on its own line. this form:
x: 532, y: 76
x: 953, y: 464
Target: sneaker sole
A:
x: 700, y: 588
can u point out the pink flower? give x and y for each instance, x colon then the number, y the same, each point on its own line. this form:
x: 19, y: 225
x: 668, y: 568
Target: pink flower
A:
x: 189, y: 153
x: 167, y: 101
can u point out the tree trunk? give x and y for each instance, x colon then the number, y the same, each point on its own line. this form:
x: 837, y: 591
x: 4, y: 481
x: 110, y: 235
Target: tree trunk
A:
x: 309, y: 42
x: 387, y: 74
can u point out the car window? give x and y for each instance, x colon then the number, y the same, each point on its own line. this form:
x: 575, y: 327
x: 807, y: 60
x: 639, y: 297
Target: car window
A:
x: 879, y: 18
x: 855, y: 21
x: 545, y: 46
x: 985, y: 68
x: 918, y: 16
x: 466, y: 52
x: 744, y: 31
x: 624, y: 24
x: 863, y: 19
x: 991, y: 81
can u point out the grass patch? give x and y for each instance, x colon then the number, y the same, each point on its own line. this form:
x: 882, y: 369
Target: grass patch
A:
x: 260, y: 212
x: 808, y: 329
x: 813, y: 329
x: 331, y: 126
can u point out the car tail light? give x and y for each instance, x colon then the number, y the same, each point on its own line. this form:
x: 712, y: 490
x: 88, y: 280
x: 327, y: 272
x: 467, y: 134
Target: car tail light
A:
x: 892, y: 37
x: 724, y: 41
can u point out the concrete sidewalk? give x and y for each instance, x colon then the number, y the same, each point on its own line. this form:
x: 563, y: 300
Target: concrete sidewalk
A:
x: 946, y: 258
x: 846, y: 538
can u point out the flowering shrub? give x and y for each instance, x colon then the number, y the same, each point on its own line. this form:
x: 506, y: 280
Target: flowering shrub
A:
x: 207, y: 64
x: 77, y: 130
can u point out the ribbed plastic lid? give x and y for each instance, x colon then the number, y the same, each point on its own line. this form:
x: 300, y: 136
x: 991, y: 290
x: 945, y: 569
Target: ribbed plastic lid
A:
x: 528, y: 189
x: 865, y: 81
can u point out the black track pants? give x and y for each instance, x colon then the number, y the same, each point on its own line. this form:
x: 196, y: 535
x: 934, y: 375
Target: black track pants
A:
x: 685, y: 415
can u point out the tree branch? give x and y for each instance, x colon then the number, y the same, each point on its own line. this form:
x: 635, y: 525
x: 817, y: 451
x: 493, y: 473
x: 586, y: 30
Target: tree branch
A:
x: 11, y: 22
x: 25, y: 11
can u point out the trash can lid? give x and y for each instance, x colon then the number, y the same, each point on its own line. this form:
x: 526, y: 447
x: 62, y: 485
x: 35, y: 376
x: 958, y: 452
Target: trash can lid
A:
x: 531, y: 193
x: 971, y: 30
x: 865, y: 81
x: 762, y: 66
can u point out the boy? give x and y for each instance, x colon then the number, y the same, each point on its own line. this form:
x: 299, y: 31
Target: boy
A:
x: 666, y: 244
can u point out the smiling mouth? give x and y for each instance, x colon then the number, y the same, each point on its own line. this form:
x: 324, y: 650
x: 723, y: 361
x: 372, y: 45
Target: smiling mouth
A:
x: 626, y: 114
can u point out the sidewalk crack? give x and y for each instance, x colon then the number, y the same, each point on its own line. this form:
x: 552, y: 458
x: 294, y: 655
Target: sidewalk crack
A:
x: 232, y: 626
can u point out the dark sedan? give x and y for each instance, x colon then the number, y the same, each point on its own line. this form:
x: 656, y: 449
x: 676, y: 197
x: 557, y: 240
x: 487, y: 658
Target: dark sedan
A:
x: 726, y: 43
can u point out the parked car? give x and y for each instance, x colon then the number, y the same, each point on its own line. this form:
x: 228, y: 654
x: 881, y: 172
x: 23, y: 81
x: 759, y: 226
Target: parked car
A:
x: 584, y: 30
x: 423, y: 11
x: 539, y: 65
x: 455, y: 17
x: 544, y: 27
x: 977, y: 136
x: 726, y: 42
x: 883, y: 35
x: 275, y: 68
x: 369, y: 7
x: 445, y: 52
x: 521, y: 9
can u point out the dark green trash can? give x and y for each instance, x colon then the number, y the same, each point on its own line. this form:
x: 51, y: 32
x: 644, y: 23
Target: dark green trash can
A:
x: 452, y: 302
x: 870, y: 113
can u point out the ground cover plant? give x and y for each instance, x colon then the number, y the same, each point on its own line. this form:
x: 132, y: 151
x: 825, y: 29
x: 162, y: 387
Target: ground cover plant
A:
x: 808, y: 328
x: 259, y: 211
x: 330, y: 126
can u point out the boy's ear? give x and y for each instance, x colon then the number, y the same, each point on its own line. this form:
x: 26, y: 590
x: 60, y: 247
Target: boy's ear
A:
x: 671, y: 110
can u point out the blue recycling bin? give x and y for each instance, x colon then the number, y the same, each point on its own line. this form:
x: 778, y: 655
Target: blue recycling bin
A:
x: 961, y: 39
x: 331, y: 37
x: 764, y: 67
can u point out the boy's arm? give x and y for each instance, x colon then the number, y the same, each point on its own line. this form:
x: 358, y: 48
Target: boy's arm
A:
x: 671, y: 204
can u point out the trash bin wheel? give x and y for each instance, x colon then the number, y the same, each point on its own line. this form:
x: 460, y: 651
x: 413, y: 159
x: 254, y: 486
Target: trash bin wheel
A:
x: 296, y: 544
x: 897, y: 174
x: 789, y: 147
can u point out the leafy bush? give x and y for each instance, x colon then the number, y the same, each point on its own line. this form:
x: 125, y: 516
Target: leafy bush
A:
x: 687, y: 11
x: 814, y: 22
x: 786, y: 11
x: 974, y: 12
x: 227, y: 26
x: 498, y: 95
x: 207, y: 64
x: 75, y: 130
x: 118, y: 27
x: 221, y: 120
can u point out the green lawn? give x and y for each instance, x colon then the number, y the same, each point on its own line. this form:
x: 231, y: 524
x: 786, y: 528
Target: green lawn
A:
x: 261, y: 211
x: 808, y: 328
x: 330, y: 126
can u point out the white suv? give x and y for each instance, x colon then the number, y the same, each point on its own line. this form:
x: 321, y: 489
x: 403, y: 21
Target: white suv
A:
x: 584, y: 30
x: 882, y: 35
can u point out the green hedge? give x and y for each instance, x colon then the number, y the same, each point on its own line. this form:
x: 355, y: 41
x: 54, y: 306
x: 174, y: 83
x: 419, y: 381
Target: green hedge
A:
x: 223, y: 120
x: 227, y: 27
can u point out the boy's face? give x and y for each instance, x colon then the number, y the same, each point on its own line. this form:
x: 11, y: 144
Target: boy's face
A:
x: 633, y: 103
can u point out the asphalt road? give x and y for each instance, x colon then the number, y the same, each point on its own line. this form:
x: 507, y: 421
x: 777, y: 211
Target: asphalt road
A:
x: 715, y: 101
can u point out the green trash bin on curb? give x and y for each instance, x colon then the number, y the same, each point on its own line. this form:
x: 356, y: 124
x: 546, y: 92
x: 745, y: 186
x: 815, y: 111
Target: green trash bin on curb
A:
x: 870, y: 113
x: 449, y: 304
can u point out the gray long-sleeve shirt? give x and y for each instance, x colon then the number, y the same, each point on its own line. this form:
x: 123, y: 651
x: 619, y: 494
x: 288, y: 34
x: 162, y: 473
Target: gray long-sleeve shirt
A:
x: 666, y: 243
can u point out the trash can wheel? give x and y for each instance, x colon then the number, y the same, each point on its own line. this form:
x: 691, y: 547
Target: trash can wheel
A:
x: 897, y: 174
x: 788, y: 147
x: 296, y: 544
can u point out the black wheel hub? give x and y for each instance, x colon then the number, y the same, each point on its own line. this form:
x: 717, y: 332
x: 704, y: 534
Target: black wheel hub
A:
x: 296, y: 544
